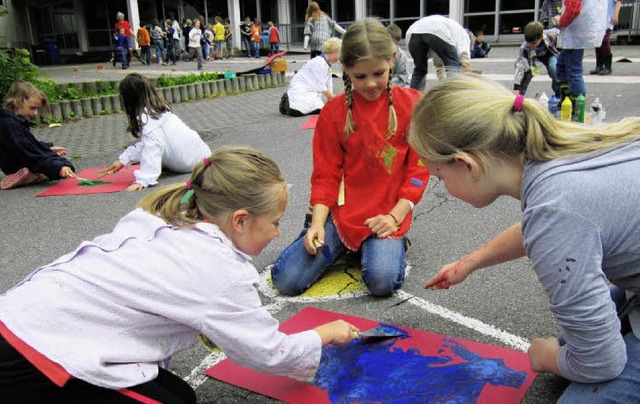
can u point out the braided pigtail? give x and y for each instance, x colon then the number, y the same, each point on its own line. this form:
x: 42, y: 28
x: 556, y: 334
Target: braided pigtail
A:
x: 349, y: 124
x: 393, y: 118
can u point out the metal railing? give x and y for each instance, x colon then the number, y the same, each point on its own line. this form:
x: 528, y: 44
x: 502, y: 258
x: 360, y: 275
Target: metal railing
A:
x: 628, y: 28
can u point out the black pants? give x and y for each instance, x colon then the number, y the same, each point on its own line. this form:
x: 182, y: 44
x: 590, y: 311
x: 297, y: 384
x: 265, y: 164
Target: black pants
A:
x: 419, y: 46
x: 21, y: 382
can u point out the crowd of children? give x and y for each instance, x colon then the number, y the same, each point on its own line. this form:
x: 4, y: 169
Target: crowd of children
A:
x: 171, y: 41
x: 374, y: 149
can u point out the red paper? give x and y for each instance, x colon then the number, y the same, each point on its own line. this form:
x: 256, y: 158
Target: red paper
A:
x: 69, y: 186
x: 310, y: 123
x: 445, y: 371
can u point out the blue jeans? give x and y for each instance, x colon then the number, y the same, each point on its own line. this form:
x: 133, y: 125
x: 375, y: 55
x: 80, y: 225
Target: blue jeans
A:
x: 159, y: 46
x: 383, y: 264
x: 256, y: 48
x: 622, y: 389
x: 569, y: 70
x: 549, y: 62
x: 247, y: 44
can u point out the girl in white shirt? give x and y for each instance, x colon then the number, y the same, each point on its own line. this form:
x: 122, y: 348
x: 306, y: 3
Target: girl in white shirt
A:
x: 101, y: 324
x: 165, y: 141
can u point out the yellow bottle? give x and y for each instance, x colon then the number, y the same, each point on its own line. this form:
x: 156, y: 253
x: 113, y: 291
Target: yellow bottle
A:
x: 565, y: 109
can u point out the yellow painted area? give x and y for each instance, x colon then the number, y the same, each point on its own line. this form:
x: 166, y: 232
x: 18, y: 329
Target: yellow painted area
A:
x: 336, y: 281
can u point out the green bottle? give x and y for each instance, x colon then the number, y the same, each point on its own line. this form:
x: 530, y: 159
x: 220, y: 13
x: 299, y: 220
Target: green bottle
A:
x: 580, y: 108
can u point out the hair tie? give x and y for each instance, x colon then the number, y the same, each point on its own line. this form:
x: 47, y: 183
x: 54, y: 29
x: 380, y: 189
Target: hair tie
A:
x: 188, y: 184
x: 206, y: 161
x: 518, y: 102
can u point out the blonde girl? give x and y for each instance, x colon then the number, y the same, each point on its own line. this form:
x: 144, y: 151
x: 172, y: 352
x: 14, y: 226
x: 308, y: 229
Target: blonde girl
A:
x: 360, y: 146
x: 164, y: 140
x: 101, y: 324
x: 318, y: 28
x: 578, y: 186
x: 23, y: 158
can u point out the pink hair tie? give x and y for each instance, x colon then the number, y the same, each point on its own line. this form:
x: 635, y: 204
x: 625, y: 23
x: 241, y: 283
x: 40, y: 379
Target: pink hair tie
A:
x: 206, y: 161
x: 188, y: 183
x: 518, y: 102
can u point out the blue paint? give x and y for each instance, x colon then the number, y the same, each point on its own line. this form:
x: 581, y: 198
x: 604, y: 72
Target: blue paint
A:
x: 416, y: 182
x: 380, y: 372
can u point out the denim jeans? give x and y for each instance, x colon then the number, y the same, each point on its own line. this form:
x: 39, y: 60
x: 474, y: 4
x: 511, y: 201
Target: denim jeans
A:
x: 383, y: 264
x: 159, y: 46
x: 550, y: 62
x: 624, y: 388
x: 419, y: 46
x: 569, y: 70
x: 247, y: 44
x: 256, y: 48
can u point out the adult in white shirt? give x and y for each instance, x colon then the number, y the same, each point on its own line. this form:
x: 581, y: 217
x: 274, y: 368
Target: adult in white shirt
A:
x: 312, y: 85
x: 444, y: 37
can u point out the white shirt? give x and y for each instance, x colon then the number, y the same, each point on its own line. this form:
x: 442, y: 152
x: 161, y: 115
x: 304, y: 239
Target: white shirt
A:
x: 165, y: 142
x: 118, y: 307
x: 306, y: 86
x: 446, y: 29
x: 195, y: 35
x: 587, y: 29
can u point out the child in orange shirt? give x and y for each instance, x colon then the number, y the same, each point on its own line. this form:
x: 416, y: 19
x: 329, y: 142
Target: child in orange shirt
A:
x: 256, y: 31
x: 144, y: 40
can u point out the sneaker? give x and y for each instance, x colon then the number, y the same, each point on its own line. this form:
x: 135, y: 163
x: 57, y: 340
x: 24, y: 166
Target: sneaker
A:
x: 604, y: 72
x: 21, y: 178
x: 407, y: 243
x: 597, y: 70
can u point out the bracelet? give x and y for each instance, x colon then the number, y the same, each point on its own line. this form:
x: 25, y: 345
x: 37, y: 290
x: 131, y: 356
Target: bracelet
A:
x: 395, y: 220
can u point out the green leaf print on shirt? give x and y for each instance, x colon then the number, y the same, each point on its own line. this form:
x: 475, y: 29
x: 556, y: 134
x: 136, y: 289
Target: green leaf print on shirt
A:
x: 388, y: 154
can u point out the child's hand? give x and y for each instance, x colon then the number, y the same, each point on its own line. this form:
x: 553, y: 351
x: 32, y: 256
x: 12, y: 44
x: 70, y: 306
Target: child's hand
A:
x: 381, y: 226
x: 61, y: 151
x: 134, y: 187
x: 450, y: 274
x: 314, y: 235
x: 67, y: 172
x: 116, y: 166
x: 543, y: 355
x: 337, y: 332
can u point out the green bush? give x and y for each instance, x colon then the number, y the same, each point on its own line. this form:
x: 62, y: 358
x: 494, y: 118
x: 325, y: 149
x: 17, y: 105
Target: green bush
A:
x: 15, y: 64
x: 168, y: 81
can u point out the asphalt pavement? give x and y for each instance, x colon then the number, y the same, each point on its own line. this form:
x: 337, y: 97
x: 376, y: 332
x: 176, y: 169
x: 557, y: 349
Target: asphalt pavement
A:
x: 502, y: 306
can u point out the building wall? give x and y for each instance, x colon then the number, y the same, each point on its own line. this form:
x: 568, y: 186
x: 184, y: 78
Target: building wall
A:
x: 497, y: 17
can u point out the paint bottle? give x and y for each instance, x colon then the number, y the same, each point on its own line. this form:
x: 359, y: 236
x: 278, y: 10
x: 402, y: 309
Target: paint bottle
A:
x: 580, y: 108
x: 597, y: 112
x: 553, y: 105
x: 543, y: 100
x: 565, y: 109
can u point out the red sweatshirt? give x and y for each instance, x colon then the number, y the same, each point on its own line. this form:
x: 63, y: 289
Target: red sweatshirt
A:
x: 571, y: 11
x: 377, y: 172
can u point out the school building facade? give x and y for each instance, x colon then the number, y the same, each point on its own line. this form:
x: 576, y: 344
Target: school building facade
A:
x: 80, y: 27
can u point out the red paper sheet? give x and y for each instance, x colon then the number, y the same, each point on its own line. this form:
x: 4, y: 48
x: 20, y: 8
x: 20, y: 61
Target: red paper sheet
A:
x: 69, y: 186
x: 310, y: 123
x: 422, y: 367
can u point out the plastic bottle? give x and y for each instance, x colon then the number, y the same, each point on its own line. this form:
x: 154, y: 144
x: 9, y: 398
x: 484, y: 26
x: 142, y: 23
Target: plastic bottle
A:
x: 580, y: 108
x: 543, y: 100
x: 597, y: 112
x: 565, y: 109
x: 553, y: 105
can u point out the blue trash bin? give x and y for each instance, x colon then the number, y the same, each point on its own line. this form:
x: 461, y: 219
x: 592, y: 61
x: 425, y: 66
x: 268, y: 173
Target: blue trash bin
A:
x: 52, y: 51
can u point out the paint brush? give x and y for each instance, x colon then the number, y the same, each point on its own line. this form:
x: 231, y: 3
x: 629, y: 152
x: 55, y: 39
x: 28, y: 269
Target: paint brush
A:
x: 383, y: 331
x: 326, y: 252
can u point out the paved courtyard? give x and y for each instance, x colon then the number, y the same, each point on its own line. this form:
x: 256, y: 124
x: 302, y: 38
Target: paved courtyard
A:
x: 503, y: 306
